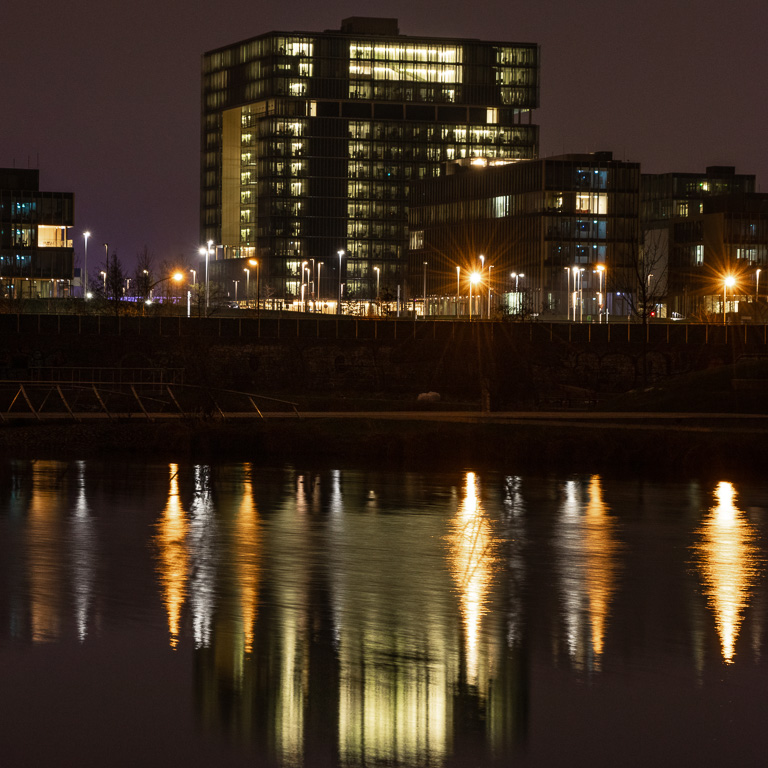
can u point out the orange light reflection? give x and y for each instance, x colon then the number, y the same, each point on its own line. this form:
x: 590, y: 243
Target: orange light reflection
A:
x: 728, y: 563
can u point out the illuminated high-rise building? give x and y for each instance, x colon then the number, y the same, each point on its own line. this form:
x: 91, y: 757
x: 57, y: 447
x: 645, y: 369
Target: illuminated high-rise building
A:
x: 310, y: 142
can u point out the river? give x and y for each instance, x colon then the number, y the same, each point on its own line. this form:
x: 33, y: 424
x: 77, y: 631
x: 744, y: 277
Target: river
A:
x: 190, y: 615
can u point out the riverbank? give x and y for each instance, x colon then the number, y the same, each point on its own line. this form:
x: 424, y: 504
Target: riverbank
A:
x: 658, y: 444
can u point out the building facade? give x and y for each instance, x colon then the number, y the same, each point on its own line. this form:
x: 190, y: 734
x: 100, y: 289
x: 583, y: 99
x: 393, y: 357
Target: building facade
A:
x: 311, y: 142
x: 36, y: 254
x: 552, y: 236
x: 707, y: 227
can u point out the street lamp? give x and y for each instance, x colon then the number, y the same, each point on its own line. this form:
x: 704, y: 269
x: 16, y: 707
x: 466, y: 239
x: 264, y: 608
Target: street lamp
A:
x: 319, y: 284
x: 474, y: 279
x: 338, y: 308
x: 235, y: 282
x: 490, y: 267
x: 458, y: 290
x: 757, y: 287
x: 106, y: 250
x: 255, y: 263
x: 600, y: 272
x: 482, y: 269
x: 378, y: 275
x: 247, y: 286
x: 84, y: 286
x: 424, y: 305
x: 104, y: 278
x: 517, y: 276
x: 728, y: 282
x: 206, y: 251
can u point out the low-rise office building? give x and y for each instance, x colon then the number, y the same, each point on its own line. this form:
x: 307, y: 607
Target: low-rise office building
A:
x: 707, y: 227
x: 548, y: 236
x: 36, y: 254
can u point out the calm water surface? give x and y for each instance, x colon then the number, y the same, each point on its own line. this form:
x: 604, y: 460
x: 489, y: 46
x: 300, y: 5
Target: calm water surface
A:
x: 194, y: 615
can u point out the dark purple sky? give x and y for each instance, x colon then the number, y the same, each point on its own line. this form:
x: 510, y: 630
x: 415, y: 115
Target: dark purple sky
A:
x: 104, y: 98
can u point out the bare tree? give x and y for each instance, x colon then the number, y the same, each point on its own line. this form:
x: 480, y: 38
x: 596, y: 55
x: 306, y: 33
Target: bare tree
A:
x: 113, y: 284
x: 641, y: 280
x: 143, y: 274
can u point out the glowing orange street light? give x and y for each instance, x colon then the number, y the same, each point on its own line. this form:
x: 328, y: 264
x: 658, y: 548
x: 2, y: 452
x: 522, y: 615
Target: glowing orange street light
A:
x: 474, y: 279
x: 728, y: 282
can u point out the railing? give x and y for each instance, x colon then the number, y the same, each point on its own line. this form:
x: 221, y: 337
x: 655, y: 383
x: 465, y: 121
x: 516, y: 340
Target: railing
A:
x: 52, y: 400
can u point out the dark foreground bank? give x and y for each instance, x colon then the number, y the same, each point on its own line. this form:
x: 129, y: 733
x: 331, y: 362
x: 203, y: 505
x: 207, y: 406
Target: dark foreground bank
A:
x: 664, y: 448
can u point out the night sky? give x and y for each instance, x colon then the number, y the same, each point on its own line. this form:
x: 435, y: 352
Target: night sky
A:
x: 105, y: 98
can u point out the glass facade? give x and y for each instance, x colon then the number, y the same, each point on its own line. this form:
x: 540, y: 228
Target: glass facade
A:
x: 36, y: 255
x: 311, y: 142
x: 538, y: 220
x: 715, y: 224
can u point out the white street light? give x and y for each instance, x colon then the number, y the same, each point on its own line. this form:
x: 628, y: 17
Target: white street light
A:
x: 206, y: 251
x: 84, y: 276
x: 338, y: 308
x: 247, y: 286
x: 378, y: 276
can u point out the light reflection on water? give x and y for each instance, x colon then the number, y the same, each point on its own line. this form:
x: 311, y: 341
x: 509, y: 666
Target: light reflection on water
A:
x: 349, y: 618
x: 730, y: 562
x: 589, y: 565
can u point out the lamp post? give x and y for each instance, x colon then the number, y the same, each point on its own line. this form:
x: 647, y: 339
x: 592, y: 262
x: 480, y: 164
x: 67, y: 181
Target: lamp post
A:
x: 84, y: 277
x: 176, y: 276
x: 516, y: 276
x: 207, y: 253
x: 319, y: 284
x: 490, y: 267
x: 568, y: 291
x: 474, y: 278
x: 728, y: 282
x: 482, y: 269
x: 235, y: 282
x: 255, y: 263
x: 600, y: 272
x: 757, y: 286
x: 104, y: 278
x: 458, y: 289
x: 377, y: 270
x: 424, y: 305
x: 581, y: 295
x: 247, y: 286
x: 194, y: 276
x: 106, y: 251
x: 338, y: 308
x: 574, y: 296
